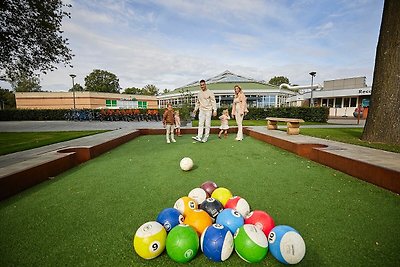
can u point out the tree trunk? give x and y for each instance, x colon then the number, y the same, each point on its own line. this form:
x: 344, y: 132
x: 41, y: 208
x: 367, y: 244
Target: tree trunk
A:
x: 383, y: 122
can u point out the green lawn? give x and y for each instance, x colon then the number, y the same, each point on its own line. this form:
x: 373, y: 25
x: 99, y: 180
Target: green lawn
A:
x: 88, y: 215
x: 347, y: 135
x: 18, y: 141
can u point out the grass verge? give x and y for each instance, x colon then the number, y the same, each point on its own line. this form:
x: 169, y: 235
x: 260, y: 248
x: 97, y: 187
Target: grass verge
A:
x: 347, y: 135
x: 11, y: 142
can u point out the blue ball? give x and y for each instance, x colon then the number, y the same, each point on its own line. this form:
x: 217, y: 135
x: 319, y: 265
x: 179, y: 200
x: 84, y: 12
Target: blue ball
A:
x: 286, y: 244
x: 217, y: 242
x: 169, y: 218
x: 231, y: 219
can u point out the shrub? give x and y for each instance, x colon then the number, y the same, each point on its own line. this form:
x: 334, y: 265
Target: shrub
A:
x: 315, y: 114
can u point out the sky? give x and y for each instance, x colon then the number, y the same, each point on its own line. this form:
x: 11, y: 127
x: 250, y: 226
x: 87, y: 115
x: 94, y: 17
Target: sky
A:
x: 171, y: 43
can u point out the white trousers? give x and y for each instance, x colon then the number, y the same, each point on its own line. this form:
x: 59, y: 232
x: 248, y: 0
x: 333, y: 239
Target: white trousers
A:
x: 239, y: 122
x: 204, y: 124
x: 170, y: 131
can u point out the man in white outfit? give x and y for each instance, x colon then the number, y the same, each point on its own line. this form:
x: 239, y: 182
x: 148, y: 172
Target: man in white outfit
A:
x: 207, y: 106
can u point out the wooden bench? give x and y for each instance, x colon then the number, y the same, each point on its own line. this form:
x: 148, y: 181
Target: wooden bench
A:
x: 293, y: 125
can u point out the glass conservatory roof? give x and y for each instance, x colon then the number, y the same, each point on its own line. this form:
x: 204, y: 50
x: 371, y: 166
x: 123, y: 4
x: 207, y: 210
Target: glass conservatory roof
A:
x: 225, y: 77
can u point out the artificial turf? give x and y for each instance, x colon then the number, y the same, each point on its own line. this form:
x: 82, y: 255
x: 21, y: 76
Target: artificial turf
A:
x: 88, y: 215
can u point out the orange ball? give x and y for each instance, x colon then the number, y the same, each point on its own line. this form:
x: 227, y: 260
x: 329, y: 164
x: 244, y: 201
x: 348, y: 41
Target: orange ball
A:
x: 185, y: 205
x: 199, y: 220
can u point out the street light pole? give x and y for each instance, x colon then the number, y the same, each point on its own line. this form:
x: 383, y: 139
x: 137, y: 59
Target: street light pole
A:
x: 73, y: 87
x: 313, y: 73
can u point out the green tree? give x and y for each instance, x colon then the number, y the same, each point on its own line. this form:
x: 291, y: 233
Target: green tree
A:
x: 166, y: 91
x: 7, y: 99
x: 31, y: 37
x: 26, y: 83
x: 185, y: 107
x: 102, y: 81
x: 383, y: 123
x: 150, y: 89
x: 132, y: 91
x: 278, y: 80
x: 77, y: 88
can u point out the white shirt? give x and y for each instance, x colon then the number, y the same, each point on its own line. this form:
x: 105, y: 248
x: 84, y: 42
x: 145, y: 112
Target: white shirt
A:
x: 205, y: 101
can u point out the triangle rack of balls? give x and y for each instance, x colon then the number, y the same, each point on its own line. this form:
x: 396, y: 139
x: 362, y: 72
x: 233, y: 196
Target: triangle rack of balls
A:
x: 214, y: 221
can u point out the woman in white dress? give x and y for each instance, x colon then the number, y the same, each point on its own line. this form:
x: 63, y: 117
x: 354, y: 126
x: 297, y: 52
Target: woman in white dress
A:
x: 239, y: 110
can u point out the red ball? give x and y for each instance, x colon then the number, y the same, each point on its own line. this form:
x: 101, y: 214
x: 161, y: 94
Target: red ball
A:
x: 260, y: 219
x: 209, y: 187
x: 239, y: 204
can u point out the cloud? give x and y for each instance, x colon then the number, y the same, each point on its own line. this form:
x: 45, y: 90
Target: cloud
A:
x: 243, y: 41
x: 172, y: 43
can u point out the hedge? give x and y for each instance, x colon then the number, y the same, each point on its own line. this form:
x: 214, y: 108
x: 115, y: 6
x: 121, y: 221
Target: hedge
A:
x: 316, y: 114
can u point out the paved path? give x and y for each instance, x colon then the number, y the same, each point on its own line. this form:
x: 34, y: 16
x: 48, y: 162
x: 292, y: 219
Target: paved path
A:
x: 42, y: 126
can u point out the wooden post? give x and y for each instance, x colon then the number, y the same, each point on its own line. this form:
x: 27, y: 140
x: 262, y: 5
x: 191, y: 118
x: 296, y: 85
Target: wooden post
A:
x: 271, y: 125
x: 293, y: 128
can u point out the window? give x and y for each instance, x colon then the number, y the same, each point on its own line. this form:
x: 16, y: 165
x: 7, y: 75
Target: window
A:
x: 330, y: 102
x: 327, y: 102
x: 269, y: 101
x: 353, y: 102
x: 111, y: 103
x: 142, y: 104
x: 346, y: 102
x: 338, y: 102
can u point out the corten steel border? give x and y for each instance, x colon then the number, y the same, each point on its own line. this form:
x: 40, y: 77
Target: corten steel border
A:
x: 26, y: 178
x: 374, y: 174
x: 56, y: 162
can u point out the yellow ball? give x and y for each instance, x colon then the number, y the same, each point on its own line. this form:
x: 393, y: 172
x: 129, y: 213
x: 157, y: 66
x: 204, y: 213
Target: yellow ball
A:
x: 149, y: 240
x: 222, y: 194
x: 199, y: 220
x: 185, y: 205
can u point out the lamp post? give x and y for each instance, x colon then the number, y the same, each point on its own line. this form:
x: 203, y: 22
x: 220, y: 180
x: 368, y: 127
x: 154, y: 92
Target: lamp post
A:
x: 313, y: 73
x: 73, y: 87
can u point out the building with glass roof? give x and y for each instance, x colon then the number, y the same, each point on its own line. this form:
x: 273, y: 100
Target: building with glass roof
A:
x: 259, y: 93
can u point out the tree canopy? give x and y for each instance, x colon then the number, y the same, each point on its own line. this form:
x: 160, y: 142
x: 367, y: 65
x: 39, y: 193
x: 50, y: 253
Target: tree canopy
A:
x: 102, y: 81
x: 31, y: 37
x: 132, y: 91
x: 26, y: 83
x: 278, y: 80
x: 77, y: 88
x: 150, y: 89
x: 7, y: 99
